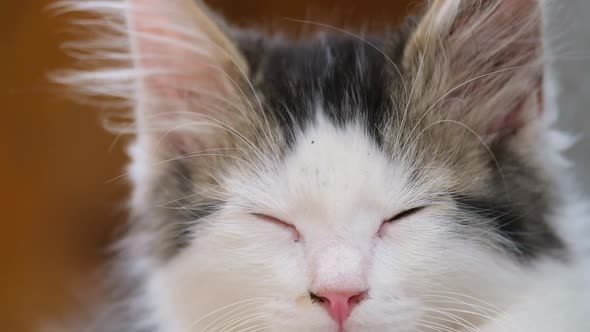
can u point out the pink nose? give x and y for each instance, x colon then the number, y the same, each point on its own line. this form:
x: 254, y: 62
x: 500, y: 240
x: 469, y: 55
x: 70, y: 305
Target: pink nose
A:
x: 339, y: 304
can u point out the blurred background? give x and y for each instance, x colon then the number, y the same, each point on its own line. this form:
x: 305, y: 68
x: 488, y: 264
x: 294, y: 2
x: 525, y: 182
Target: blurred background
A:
x: 61, y: 197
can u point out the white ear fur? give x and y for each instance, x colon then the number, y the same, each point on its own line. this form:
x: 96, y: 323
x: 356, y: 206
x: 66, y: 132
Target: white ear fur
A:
x: 167, y: 60
x: 189, y: 71
x: 484, y: 55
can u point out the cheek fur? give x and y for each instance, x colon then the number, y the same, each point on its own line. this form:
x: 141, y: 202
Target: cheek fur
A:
x: 431, y: 254
x: 248, y: 266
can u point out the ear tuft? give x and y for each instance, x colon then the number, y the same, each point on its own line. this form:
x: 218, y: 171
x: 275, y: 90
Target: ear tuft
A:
x: 170, y: 61
x: 176, y: 46
x: 487, y: 55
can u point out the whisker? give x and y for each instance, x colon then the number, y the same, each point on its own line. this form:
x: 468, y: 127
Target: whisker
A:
x: 418, y: 73
x: 256, y: 328
x: 241, y: 322
x: 364, y: 40
x: 435, y: 326
x: 463, y: 322
x: 496, y: 72
x: 480, y: 139
x: 243, y: 303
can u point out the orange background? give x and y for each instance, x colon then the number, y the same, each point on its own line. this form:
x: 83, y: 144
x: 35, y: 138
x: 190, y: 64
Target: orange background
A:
x: 59, y: 207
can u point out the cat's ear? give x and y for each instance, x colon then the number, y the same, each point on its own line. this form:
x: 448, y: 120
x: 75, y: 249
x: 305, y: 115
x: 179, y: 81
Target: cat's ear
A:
x: 479, y: 63
x: 188, y: 74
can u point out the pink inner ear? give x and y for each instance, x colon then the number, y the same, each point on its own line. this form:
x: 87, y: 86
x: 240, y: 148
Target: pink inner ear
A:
x: 178, y: 60
x: 501, y: 41
x: 181, y: 59
x: 517, y: 118
x: 508, y: 123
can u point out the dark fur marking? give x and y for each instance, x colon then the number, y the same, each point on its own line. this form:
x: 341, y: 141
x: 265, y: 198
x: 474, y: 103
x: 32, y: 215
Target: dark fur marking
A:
x: 348, y: 77
x: 517, y: 204
x: 189, y: 209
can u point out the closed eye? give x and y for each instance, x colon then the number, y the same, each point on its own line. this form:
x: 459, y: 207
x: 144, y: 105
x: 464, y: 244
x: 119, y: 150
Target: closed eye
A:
x: 405, y: 214
x: 397, y: 217
x: 281, y: 223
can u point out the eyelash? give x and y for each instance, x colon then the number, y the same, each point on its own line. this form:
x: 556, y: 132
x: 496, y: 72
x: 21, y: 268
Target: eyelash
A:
x: 281, y: 223
x: 405, y: 214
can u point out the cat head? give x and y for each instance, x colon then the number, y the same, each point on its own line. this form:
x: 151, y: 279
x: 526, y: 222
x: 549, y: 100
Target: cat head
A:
x: 339, y: 183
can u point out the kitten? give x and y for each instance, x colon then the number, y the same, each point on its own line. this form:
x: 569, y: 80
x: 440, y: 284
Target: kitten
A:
x: 407, y: 183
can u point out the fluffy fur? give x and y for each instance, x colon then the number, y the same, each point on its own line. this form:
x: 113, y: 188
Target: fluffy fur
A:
x: 332, y: 138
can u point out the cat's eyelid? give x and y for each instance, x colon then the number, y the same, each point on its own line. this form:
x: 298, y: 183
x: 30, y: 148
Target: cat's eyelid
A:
x: 279, y: 222
x: 406, y: 213
x: 269, y: 217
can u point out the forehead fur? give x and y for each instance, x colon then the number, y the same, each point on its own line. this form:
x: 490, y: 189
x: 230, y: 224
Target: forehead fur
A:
x: 351, y: 79
x: 405, y: 93
x: 330, y: 174
x: 351, y: 93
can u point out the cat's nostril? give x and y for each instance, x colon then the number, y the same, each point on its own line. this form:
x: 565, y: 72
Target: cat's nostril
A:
x: 316, y: 298
x: 355, y: 299
x: 339, y: 304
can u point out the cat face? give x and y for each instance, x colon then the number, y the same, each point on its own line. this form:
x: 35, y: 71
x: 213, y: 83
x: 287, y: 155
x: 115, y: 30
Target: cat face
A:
x: 334, y: 184
x: 336, y: 194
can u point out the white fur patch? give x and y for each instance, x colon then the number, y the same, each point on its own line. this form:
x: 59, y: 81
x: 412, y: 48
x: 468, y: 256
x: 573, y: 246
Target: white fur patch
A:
x: 336, y: 188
